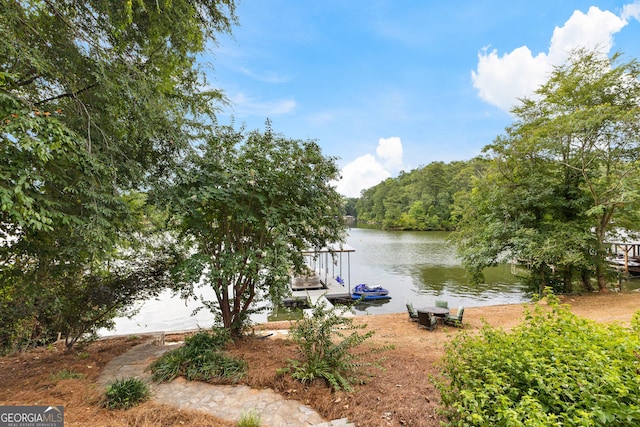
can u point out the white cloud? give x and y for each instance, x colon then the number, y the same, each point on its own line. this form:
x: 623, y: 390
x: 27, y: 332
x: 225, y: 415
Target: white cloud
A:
x: 502, y: 80
x: 593, y: 30
x: 631, y: 11
x: 367, y: 171
x: 244, y: 105
x: 390, y: 151
x: 266, y: 76
x: 362, y: 173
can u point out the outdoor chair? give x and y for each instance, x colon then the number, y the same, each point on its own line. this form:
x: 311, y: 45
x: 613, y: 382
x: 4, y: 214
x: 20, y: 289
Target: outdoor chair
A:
x: 442, y: 304
x: 428, y: 320
x: 455, y: 320
x: 413, y: 314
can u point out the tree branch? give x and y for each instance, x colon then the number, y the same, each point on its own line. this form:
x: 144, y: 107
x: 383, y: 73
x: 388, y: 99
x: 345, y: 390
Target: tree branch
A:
x: 66, y: 94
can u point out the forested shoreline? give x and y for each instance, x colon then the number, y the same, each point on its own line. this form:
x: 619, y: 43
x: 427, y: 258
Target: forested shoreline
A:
x: 419, y: 200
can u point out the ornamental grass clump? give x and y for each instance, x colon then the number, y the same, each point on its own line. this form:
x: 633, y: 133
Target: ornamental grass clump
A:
x: 326, y: 341
x: 553, y: 369
x: 200, y: 359
x: 249, y: 419
x: 126, y: 393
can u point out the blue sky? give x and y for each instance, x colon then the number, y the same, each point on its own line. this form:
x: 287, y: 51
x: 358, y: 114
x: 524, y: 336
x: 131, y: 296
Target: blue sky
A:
x: 391, y: 85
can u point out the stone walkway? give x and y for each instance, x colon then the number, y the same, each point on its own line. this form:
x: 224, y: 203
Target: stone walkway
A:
x: 224, y: 401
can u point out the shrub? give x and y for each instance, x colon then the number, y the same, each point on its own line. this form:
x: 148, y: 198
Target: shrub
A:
x: 553, y: 369
x: 200, y: 359
x: 326, y: 347
x: 126, y: 393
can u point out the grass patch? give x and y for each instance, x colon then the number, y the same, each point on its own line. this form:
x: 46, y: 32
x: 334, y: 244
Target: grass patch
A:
x: 66, y: 374
x: 83, y: 355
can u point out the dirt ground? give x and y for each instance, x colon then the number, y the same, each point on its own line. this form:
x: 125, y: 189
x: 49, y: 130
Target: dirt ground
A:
x: 401, y: 395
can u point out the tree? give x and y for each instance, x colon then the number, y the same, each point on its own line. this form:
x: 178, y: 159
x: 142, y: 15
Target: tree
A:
x: 561, y: 175
x: 250, y: 203
x: 350, y: 206
x: 418, y: 200
x: 97, y: 100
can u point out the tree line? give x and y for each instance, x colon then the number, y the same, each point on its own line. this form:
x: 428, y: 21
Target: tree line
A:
x: 422, y: 199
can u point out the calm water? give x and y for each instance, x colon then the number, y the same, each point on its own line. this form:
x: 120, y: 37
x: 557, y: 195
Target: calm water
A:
x: 421, y: 267
x: 415, y: 266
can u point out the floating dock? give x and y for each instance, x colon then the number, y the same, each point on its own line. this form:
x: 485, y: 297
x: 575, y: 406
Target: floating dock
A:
x: 334, y: 274
x: 330, y: 291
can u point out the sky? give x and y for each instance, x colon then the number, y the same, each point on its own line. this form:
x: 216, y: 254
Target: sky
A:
x: 393, y: 85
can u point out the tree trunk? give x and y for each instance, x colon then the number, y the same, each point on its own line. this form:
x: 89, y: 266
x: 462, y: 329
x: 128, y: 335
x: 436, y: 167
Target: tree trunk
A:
x: 586, y: 280
x: 567, y: 276
x: 602, y: 280
x: 539, y: 277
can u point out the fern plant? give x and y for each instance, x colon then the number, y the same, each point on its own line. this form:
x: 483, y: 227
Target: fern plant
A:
x: 326, y: 340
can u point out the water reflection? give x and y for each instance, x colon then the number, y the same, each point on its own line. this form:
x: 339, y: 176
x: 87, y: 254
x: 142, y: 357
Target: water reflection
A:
x: 422, y: 266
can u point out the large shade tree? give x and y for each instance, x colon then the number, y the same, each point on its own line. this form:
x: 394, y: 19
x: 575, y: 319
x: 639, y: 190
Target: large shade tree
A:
x: 97, y: 99
x: 251, y: 203
x: 561, y: 176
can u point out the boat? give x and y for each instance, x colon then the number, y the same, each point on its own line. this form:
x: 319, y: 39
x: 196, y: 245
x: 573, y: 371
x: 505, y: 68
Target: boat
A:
x: 366, y: 292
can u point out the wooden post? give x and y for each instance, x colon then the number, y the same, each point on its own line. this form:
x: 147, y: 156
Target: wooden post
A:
x: 626, y: 259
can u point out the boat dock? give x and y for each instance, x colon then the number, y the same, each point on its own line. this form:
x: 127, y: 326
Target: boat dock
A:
x: 329, y: 278
x: 625, y: 254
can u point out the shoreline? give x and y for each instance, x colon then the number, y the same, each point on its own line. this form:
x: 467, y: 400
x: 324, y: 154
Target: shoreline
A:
x: 591, y: 306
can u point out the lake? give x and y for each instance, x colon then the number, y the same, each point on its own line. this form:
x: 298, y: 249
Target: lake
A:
x: 421, y: 267
x: 417, y: 267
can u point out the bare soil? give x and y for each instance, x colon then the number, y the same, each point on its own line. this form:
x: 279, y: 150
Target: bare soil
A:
x: 402, y: 394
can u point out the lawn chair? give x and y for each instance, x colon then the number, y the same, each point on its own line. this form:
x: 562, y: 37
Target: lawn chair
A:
x: 442, y: 304
x: 455, y: 320
x: 428, y: 320
x: 413, y: 314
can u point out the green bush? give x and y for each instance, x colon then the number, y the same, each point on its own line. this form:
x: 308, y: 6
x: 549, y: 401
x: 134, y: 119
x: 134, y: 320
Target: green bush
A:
x: 554, y: 369
x: 326, y: 340
x: 200, y: 359
x: 126, y: 393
